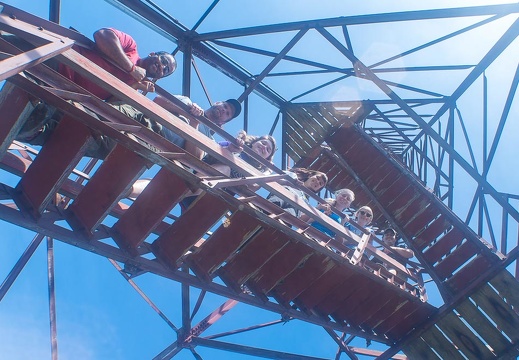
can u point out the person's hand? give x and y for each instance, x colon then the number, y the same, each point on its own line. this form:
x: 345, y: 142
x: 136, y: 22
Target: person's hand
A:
x: 237, y: 147
x: 150, y: 86
x: 196, y: 110
x: 345, y: 219
x: 146, y: 86
x: 138, y: 73
x: 325, y: 207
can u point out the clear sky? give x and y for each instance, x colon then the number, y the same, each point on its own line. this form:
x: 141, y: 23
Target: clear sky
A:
x: 99, y: 315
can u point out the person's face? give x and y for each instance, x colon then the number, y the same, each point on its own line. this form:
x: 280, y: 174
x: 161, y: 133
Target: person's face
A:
x: 364, y: 217
x: 159, y: 66
x: 389, y: 239
x: 220, y: 113
x: 344, y: 199
x: 315, y: 183
x: 263, y: 148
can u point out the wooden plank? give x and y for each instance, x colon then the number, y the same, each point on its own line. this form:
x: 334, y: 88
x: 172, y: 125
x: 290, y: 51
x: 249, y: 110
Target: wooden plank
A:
x: 158, y: 198
x: 414, y: 224
x: 352, y: 284
x: 419, y: 350
x: 15, y: 107
x: 54, y: 163
x: 500, y: 312
x: 395, y: 188
x: 362, y: 301
x: 301, y: 278
x: 442, y: 345
x: 507, y: 286
x: 412, y: 211
x: 430, y: 234
x: 383, y: 312
x: 444, y: 245
x: 363, y: 311
x: 469, y: 274
x: 455, y: 259
x: 400, y: 328
x: 463, y: 338
x: 223, y: 243
x: 279, y: 267
x: 317, y: 291
x: 110, y: 182
x: 483, y: 326
x: 401, y: 313
x: 252, y: 257
x: 188, y: 229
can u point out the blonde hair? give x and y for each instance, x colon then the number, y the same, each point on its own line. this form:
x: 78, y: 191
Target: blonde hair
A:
x: 348, y: 191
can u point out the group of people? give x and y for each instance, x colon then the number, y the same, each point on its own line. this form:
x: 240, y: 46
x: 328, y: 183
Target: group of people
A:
x: 116, y: 52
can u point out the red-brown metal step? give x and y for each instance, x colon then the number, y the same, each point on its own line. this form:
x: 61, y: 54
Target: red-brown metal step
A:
x: 52, y: 166
x: 110, y: 183
x: 149, y: 209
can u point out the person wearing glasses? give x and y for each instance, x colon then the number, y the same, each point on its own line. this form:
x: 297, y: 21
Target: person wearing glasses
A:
x: 342, y: 201
x: 363, y: 217
x: 398, y: 252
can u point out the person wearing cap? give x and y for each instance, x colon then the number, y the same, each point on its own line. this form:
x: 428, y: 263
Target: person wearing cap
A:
x: 219, y: 113
x: 389, y: 238
x: 397, y: 252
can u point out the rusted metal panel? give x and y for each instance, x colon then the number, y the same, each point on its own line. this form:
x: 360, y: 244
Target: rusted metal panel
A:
x: 279, y: 267
x: 110, y: 182
x: 223, y: 243
x: 464, y: 338
x: 253, y: 257
x: 148, y: 210
x: 54, y: 163
x: 443, y: 246
x: 188, y: 229
x: 295, y: 283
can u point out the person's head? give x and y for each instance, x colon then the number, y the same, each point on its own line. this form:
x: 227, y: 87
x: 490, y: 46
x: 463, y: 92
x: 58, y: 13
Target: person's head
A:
x: 264, y: 146
x: 389, y: 237
x: 344, y: 198
x: 158, y: 64
x: 311, y: 179
x: 364, y: 215
x: 222, y: 112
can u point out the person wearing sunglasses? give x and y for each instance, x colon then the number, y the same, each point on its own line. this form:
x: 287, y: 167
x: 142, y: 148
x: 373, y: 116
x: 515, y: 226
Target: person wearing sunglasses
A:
x: 363, y: 217
x: 115, y: 52
x: 397, y: 252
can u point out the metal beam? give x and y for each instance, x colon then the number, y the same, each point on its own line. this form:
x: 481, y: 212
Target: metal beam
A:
x: 363, y: 19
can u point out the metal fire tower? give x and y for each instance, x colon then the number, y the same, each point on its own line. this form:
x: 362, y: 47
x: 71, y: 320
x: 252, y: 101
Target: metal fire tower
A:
x: 410, y: 154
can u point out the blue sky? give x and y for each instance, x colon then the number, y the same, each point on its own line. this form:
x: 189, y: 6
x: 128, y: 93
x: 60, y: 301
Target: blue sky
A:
x: 99, y: 315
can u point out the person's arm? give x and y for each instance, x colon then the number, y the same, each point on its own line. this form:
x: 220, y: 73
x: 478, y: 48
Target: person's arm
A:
x: 108, y: 43
x: 403, y: 252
